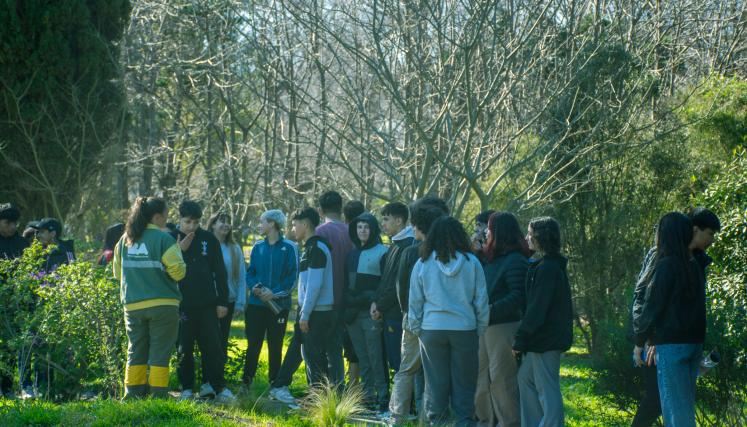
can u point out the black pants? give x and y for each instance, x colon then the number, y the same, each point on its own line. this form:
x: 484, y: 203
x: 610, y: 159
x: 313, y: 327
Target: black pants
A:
x: 322, y: 336
x: 200, y: 324
x: 292, y: 360
x: 649, y: 408
x: 261, y: 322
x: 225, y: 330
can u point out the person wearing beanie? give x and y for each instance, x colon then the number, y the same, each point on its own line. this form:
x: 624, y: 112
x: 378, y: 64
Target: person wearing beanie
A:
x: 270, y: 280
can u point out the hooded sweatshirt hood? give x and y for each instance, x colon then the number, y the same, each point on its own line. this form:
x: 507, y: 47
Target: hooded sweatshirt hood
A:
x: 374, y: 237
x: 452, y: 267
x: 405, y: 233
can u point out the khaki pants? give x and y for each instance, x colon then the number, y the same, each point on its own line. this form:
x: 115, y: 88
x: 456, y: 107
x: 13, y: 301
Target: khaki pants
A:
x: 151, y: 336
x: 497, y: 395
x: 405, y: 379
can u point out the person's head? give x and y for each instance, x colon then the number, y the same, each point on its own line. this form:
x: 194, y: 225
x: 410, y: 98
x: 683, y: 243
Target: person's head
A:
x: 504, y: 235
x: 705, y: 226
x: 112, y: 235
x: 364, y: 231
x: 674, y: 235
x: 330, y: 203
x: 543, y: 235
x: 446, y: 237
x: 423, y: 212
x: 9, y: 216
x: 305, y: 222
x: 271, y: 221
x: 145, y: 210
x: 394, y: 218
x: 220, y: 225
x: 481, y: 223
x: 190, y: 213
x: 48, y: 231
x: 352, y: 209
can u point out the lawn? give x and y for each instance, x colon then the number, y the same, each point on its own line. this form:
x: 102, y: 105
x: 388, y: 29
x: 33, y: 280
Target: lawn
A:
x: 583, y: 406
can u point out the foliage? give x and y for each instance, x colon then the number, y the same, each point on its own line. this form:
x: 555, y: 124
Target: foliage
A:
x: 329, y: 406
x: 70, y: 319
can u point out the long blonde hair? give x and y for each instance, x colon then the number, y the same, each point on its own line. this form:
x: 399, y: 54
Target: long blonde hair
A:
x: 235, y: 248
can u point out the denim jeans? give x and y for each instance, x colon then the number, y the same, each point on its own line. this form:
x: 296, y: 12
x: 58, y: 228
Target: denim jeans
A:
x: 677, y: 370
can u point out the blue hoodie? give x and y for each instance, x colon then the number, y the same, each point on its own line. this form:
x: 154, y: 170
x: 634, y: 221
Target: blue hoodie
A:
x: 276, y: 268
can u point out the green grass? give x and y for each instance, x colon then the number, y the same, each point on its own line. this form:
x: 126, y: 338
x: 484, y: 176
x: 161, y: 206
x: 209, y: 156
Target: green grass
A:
x: 583, y: 405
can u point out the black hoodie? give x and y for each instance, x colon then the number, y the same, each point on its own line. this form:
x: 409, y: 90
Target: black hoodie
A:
x: 363, y: 267
x: 547, y: 324
x: 62, y: 253
x: 387, y: 301
x: 206, y: 282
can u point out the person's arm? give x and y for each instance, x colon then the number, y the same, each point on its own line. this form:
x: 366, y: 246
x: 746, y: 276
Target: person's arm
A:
x: 538, y: 302
x: 655, y: 301
x: 117, y: 261
x: 416, y: 300
x: 386, y: 297
x: 514, y: 300
x: 251, y: 272
x: 480, y: 301
x: 315, y: 279
x: 288, y: 275
x: 218, y: 270
x: 241, y: 286
x: 174, y: 263
x: 404, y: 273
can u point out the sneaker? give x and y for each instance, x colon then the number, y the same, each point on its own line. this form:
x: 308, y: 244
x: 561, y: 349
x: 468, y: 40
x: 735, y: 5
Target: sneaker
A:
x: 225, y: 396
x: 207, y: 392
x: 187, y: 395
x: 28, y: 393
x: 282, y: 394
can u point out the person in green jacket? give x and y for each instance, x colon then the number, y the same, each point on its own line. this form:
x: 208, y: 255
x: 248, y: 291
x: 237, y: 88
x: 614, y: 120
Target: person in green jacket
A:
x: 148, y: 263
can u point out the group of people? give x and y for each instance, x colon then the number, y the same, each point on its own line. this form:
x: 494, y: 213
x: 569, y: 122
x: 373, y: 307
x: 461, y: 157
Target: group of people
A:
x: 437, y: 324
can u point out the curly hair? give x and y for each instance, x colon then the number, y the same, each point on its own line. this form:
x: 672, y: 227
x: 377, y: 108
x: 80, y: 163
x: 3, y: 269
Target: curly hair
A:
x: 446, y: 237
x: 546, y: 231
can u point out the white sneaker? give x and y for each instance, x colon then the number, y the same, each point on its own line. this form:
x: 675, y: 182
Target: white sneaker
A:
x: 282, y: 394
x: 28, y: 393
x: 225, y: 396
x: 207, y: 392
x: 187, y: 395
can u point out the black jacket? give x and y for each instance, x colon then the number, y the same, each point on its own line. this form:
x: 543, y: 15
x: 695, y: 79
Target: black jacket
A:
x: 505, y: 277
x: 410, y: 257
x: 547, y: 324
x: 386, y: 297
x: 62, y: 253
x: 12, y: 247
x: 206, y: 280
x: 673, y: 312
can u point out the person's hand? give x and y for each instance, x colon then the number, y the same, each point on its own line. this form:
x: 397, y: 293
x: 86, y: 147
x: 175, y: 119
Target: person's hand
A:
x: 186, y: 241
x: 238, y: 313
x: 375, y: 313
x: 304, y: 326
x: 651, y: 356
x: 266, y: 295
x: 637, y: 353
x: 257, y: 290
x: 221, y: 311
x: 515, y: 352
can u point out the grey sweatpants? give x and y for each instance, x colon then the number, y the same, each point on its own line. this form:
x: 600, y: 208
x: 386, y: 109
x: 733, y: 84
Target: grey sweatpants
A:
x: 450, y: 366
x: 365, y: 333
x: 539, y: 387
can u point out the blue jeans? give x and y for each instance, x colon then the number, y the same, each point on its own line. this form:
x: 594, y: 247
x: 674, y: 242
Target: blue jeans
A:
x: 677, y: 370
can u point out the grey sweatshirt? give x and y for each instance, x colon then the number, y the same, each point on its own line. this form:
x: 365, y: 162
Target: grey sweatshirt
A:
x: 450, y: 296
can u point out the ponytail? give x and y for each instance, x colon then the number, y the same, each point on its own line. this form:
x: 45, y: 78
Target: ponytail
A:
x: 141, y: 214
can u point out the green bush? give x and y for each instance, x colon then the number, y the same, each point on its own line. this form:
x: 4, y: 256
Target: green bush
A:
x: 69, y: 321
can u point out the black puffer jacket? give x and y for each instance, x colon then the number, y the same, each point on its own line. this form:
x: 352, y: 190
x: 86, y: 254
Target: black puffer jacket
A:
x: 547, y: 324
x: 505, y: 277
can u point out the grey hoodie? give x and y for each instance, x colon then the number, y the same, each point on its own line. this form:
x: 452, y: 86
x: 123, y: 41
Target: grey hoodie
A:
x: 450, y: 296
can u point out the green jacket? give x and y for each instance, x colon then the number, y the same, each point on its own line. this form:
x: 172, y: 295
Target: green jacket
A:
x: 148, y: 270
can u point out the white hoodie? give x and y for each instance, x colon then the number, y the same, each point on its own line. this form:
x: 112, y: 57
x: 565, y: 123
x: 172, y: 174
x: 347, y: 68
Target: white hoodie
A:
x: 450, y: 296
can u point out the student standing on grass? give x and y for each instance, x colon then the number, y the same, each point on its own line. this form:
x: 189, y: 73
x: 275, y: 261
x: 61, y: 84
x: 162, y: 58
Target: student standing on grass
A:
x: 672, y: 320
x: 233, y: 258
x: 705, y: 225
x: 394, y: 218
x: 546, y: 329
x: 271, y: 279
x: 335, y: 232
x: 148, y: 262
x: 448, y: 312
x: 11, y: 247
x: 363, y: 272
x: 350, y: 211
x: 506, y: 252
x: 408, y: 381
x: 205, y: 301
x: 317, y: 319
